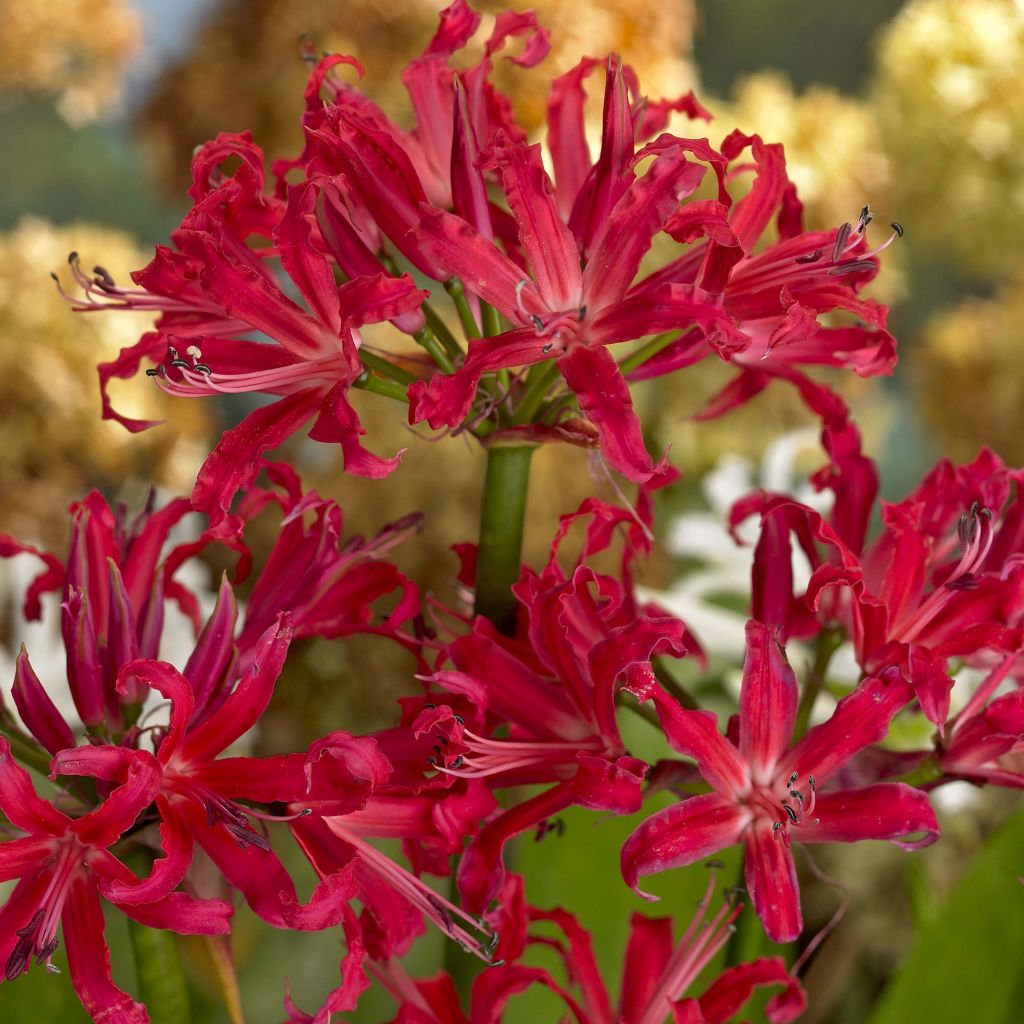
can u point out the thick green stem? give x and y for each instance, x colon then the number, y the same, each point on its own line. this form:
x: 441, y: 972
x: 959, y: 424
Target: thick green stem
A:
x: 501, y: 533
x: 830, y: 639
x: 458, y: 294
x: 648, y: 350
x: 161, y: 978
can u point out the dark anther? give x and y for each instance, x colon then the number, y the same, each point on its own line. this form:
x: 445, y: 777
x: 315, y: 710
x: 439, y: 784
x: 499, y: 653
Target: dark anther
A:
x: 104, y: 275
x: 181, y: 364
x: 495, y: 963
x: 459, y: 719
x: 792, y: 778
x: 853, y: 267
x: 153, y: 372
x: 811, y: 257
x: 48, y: 950
x: 437, y: 749
x: 72, y: 257
x: 841, y: 238
x: 202, y: 368
x: 966, y: 582
x: 458, y: 762
x: 582, y: 312
x: 548, y: 347
x: 810, y: 782
x: 715, y: 863
x: 432, y: 761
x: 897, y: 227
x: 537, y: 322
x: 865, y: 215
x: 776, y: 825
x: 789, y: 810
x: 429, y: 706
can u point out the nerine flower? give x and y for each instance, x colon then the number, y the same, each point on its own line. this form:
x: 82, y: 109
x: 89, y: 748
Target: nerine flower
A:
x: 213, y: 287
x: 944, y: 577
x: 657, y: 971
x: 539, y: 707
x: 64, y: 865
x: 767, y: 793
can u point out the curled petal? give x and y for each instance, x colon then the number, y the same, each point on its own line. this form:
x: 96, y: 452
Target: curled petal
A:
x: 731, y: 990
x: 681, y: 834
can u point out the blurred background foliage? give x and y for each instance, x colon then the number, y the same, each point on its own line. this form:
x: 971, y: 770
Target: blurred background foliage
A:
x: 916, y: 107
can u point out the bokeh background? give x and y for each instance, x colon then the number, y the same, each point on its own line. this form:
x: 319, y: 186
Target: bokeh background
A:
x: 915, y: 107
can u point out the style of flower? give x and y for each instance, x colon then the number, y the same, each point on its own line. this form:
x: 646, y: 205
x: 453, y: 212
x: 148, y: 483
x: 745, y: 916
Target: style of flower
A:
x: 767, y: 793
x: 64, y: 865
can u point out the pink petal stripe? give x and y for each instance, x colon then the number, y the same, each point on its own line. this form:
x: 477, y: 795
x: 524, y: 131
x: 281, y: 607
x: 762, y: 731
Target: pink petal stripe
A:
x: 768, y: 701
x: 771, y: 882
x: 681, y: 834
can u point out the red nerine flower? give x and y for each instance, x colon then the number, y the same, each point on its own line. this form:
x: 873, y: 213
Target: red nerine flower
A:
x: 197, y: 793
x: 943, y: 579
x: 657, y: 972
x: 64, y: 865
x: 767, y: 793
x: 539, y: 707
x: 215, y: 287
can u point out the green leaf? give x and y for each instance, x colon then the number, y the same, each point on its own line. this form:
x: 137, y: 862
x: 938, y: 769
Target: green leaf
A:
x: 965, y: 965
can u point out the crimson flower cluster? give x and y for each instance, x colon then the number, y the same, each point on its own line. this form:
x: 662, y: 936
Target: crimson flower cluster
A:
x: 355, y: 266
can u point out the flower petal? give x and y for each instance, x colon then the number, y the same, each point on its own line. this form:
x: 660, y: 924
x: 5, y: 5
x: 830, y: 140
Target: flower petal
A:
x: 37, y: 710
x: 695, y: 733
x: 728, y: 993
x: 860, y: 718
x: 768, y: 700
x: 445, y: 400
x: 889, y: 810
x: 339, y: 424
x: 237, y: 458
x: 21, y: 804
x: 89, y: 959
x: 771, y: 881
x: 605, y: 400
x: 681, y: 834
x: 242, y: 710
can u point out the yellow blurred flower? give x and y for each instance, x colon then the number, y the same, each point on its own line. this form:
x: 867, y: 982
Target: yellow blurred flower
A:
x: 55, y: 444
x: 72, y: 50
x: 969, y: 361
x: 949, y: 92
